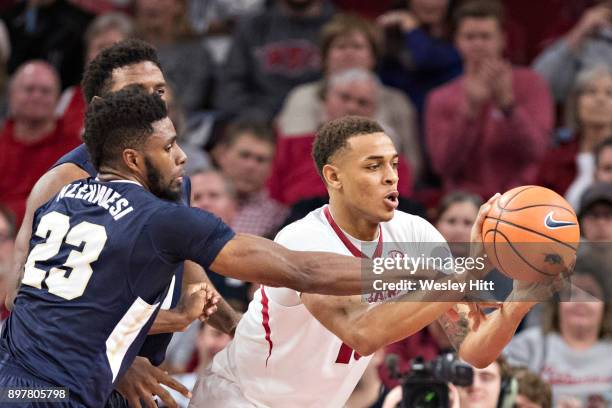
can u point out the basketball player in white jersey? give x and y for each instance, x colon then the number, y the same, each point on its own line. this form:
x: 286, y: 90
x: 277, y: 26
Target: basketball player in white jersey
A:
x: 295, y: 349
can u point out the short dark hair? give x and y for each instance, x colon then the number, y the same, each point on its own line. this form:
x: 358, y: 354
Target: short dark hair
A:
x: 607, y: 142
x: 97, y: 76
x: 260, y: 130
x: 479, y: 9
x: 121, y: 120
x: 333, y: 136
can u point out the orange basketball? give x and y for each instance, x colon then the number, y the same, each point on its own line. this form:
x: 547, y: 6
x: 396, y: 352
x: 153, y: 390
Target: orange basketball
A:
x: 531, y: 234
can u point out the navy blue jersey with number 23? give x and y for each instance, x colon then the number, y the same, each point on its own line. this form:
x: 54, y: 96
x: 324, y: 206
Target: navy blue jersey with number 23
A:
x: 102, y: 256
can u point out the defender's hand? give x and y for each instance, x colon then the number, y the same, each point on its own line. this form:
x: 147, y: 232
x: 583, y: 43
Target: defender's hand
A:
x: 198, y: 301
x: 143, y: 380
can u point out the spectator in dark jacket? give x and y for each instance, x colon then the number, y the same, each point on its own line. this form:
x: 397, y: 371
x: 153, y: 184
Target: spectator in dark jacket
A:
x: 272, y: 52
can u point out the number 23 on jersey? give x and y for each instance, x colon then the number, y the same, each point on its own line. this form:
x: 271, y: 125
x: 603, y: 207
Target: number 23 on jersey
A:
x: 55, y: 227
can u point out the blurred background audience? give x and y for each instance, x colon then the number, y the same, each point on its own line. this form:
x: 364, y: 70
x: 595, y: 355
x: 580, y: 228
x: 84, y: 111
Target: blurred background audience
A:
x: 32, y: 138
x: 569, y: 167
x: 488, y: 129
x: 570, y: 350
x: 271, y: 53
x: 350, y: 42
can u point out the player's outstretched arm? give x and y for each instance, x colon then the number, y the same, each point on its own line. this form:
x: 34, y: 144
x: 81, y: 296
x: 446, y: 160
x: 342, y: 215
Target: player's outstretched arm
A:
x: 254, y: 259
x: 46, y: 187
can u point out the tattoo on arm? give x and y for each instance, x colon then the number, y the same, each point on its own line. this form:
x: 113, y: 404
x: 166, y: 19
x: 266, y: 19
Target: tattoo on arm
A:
x: 456, y: 330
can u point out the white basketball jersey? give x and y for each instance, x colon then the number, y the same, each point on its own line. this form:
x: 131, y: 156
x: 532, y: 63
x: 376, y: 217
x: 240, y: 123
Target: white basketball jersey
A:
x: 281, y: 356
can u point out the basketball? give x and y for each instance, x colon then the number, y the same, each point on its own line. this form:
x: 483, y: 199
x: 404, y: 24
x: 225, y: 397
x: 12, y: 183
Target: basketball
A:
x: 531, y: 234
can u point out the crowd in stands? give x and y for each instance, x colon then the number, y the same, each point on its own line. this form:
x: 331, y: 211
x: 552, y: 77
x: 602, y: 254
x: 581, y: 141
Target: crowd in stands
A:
x: 478, y: 96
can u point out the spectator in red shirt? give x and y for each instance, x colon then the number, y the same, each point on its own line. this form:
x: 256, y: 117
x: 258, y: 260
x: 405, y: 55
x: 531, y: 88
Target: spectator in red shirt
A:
x: 487, y: 130
x: 32, y: 139
x: 104, y: 31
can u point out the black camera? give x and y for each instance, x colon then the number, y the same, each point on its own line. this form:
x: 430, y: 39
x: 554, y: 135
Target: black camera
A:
x: 426, y: 384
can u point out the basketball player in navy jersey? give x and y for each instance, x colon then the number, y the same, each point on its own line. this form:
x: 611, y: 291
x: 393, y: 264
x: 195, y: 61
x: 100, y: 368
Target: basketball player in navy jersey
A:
x: 104, y: 251
x: 125, y: 63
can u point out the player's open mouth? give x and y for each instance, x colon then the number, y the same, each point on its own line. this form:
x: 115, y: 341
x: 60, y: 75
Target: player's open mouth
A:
x: 392, y: 200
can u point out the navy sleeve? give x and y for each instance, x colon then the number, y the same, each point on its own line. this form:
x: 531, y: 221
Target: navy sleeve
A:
x: 178, y: 233
x: 79, y: 156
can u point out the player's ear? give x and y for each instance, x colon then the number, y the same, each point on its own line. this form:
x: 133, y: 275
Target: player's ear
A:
x: 330, y: 175
x: 133, y: 160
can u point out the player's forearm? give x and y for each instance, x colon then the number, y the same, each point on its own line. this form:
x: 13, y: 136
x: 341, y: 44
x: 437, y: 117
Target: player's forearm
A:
x: 392, y: 322
x: 481, y: 347
x: 225, y: 318
x: 331, y: 274
x: 170, y: 321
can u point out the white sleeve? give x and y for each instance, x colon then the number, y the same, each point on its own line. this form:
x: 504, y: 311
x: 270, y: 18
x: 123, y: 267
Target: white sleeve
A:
x: 433, y: 244
x: 296, y: 239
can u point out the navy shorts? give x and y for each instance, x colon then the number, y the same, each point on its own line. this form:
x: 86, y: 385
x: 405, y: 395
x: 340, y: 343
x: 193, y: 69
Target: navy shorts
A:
x: 14, y: 376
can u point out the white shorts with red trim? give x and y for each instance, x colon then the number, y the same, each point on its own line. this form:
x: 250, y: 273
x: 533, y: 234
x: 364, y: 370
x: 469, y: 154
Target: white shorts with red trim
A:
x: 214, y: 391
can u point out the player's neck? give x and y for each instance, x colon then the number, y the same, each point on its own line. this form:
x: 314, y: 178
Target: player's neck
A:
x: 109, y: 174
x: 353, y: 223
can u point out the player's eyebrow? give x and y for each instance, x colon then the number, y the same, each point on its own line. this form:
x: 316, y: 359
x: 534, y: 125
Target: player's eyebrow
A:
x: 171, y: 140
x: 378, y: 157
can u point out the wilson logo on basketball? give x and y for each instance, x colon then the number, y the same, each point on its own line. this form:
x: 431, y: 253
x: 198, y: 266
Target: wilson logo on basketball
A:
x: 551, y: 223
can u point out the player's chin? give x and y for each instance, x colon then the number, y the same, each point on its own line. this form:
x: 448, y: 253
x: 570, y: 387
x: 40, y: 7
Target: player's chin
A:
x: 385, y: 213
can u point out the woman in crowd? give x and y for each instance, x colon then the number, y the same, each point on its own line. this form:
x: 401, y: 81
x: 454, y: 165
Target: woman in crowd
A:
x: 569, y: 167
x: 572, y: 349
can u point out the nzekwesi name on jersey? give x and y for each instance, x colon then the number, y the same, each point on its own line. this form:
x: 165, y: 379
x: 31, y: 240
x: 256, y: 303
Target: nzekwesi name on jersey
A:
x: 98, y: 194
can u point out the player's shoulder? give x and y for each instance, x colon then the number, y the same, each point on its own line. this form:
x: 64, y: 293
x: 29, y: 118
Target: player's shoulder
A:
x: 412, y: 228
x: 77, y: 159
x: 308, y: 233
